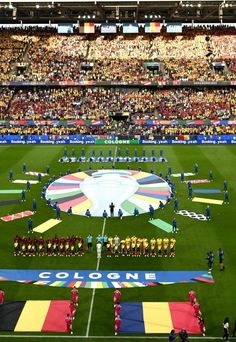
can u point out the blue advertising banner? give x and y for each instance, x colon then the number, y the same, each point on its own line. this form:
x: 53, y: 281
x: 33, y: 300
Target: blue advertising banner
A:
x: 229, y: 140
x: 65, y: 28
x: 103, y: 279
x: 130, y: 28
x: 87, y: 140
x: 108, y: 28
x: 174, y: 28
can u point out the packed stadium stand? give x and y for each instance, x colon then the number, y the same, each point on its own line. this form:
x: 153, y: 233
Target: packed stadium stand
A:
x: 149, y: 86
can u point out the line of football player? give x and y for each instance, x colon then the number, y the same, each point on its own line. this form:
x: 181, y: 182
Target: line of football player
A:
x: 111, y: 246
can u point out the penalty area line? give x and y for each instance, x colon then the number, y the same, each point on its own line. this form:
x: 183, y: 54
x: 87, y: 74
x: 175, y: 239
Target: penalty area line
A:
x: 110, y: 337
x: 94, y: 290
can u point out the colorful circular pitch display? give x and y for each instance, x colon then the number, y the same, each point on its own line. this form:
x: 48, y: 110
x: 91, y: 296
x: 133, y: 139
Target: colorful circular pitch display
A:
x: 96, y: 189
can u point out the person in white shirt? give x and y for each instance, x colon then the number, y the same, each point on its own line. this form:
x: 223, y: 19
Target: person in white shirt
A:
x: 116, y: 240
x: 99, y: 250
x: 226, y: 329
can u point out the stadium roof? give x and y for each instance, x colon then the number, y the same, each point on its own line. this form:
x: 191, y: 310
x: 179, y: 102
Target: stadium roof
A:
x: 209, y: 11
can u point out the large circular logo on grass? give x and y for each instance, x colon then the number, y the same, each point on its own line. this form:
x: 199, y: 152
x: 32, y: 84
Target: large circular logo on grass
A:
x: 96, y: 189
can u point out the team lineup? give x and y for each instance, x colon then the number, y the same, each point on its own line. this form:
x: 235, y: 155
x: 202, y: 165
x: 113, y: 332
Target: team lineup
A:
x: 74, y: 246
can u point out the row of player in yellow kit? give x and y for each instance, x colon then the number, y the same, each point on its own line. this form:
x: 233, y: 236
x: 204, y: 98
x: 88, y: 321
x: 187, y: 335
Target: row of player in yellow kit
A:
x: 140, y: 246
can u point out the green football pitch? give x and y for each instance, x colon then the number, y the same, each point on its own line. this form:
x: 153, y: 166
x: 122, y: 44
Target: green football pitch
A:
x: 95, y: 316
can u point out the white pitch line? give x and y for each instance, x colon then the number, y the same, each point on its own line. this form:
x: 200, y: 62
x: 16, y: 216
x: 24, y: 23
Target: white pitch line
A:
x: 110, y: 337
x: 114, y: 158
x: 94, y: 290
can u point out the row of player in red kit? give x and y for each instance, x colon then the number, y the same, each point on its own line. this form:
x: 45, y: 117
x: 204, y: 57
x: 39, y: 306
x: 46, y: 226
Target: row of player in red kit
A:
x: 196, y: 306
x: 63, y: 246
x: 72, y: 307
x: 117, y: 306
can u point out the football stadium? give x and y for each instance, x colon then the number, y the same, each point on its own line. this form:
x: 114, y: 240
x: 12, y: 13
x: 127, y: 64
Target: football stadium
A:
x: 117, y: 187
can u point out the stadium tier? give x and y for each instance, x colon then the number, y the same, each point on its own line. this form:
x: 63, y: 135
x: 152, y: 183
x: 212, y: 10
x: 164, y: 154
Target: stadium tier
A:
x: 195, y: 55
x: 128, y: 113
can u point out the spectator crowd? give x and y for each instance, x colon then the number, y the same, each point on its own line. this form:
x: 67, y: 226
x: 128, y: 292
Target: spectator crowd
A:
x: 129, y: 112
x: 51, y: 57
x: 144, y: 112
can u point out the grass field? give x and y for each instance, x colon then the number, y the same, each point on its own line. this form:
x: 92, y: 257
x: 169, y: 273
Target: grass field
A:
x: 194, y: 238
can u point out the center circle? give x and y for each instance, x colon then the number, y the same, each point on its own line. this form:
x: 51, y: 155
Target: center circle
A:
x: 96, y: 189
